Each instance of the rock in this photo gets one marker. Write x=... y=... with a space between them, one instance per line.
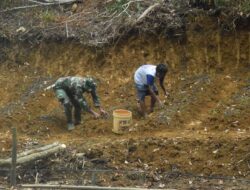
x=99 y=161
x=80 y=155
x=74 y=8
x=21 y=29
x=215 y=151
x=132 y=148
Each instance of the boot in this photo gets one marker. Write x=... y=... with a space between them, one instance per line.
x=77 y=122
x=77 y=114
x=68 y=113
x=70 y=126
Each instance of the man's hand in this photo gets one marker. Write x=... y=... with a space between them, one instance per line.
x=161 y=104
x=166 y=94
x=103 y=112
x=96 y=115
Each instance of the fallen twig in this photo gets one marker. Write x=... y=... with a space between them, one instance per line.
x=126 y=6
x=39 y=4
x=243 y=158
x=148 y=10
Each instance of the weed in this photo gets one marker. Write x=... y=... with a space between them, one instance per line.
x=245 y=6
x=48 y=16
x=219 y=3
x=117 y=6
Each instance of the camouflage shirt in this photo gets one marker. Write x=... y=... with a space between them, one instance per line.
x=76 y=86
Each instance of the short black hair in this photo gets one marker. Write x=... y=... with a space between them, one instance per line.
x=162 y=69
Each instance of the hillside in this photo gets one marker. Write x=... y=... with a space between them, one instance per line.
x=200 y=139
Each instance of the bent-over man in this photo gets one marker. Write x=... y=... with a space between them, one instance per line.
x=144 y=79
x=69 y=91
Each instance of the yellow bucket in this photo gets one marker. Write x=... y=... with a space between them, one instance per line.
x=122 y=119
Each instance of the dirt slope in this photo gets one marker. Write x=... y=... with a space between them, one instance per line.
x=202 y=131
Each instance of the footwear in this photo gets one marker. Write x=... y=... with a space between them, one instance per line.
x=78 y=122
x=70 y=126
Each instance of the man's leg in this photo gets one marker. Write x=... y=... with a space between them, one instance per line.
x=152 y=105
x=142 y=108
x=77 y=112
x=153 y=100
x=64 y=99
x=68 y=113
x=141 y=93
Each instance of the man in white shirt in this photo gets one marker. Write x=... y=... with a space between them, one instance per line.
x=144 y=78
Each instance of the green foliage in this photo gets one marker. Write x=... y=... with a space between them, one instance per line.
x=117 y=6
x=10 y=3
x=4 y=3
x=219 y=3
x=139 y=7
x=125 y=6
x=245 y=6
x=48 y=16
x=241 y=5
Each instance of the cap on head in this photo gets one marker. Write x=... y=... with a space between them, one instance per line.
x=162 y=69
x=90 y=83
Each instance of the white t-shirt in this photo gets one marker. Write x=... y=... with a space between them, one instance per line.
x=141 y=73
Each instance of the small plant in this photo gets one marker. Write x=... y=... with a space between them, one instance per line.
x=48 y=16
x=117 y=6
x=245 y=6
x=219 y=3
x=4 y=4
x=8 y=3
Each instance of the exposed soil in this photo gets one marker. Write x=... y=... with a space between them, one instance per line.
x=200 y=139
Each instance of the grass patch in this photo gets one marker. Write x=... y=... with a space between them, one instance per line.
x=117 y=6
x=48 y=16
x=245 y=6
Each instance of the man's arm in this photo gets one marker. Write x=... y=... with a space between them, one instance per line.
x=83 y=103
x=161 y=81
x=163 y=87
x=95 y=98
x=150 y=83
x=96 y=101
x=152 y=93
x=87 y=108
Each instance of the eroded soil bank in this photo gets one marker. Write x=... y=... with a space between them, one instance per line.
x=202 y=131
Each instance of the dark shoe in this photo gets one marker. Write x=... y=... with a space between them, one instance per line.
x=78 y=122
x=70 y=126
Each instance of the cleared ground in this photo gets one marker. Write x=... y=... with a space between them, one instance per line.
x=200 y=139
x=202 y=131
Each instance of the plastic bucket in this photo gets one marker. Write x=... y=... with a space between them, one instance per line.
x=122 y=119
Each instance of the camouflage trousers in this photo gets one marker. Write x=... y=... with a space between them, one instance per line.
x=68 y=102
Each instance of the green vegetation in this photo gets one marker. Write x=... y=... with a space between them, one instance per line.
x=9 y=3
x=219 y=3
x=48 y=16
x=124 y=6
x=245 y=6
x=117 y=6
x=241 y=5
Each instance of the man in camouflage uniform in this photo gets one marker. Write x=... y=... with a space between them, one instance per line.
x=69 y=91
